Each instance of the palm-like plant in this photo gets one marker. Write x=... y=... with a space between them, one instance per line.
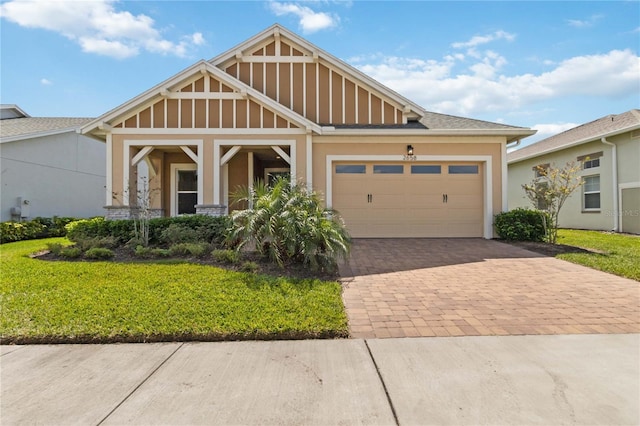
x=288 y=223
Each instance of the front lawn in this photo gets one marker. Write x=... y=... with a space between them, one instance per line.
x=615 y=253
x=58 y=301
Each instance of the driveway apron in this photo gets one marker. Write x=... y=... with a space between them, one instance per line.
x=477 y=287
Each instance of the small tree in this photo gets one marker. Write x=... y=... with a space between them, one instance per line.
x=549 y=191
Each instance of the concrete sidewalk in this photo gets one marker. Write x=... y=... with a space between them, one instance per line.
x=562 y=379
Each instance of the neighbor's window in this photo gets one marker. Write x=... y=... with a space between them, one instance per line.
x=591 y=192
x=540 y=170
x=591 y=163
x=187 y=191
x=541 y=200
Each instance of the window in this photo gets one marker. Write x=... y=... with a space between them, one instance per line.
x=463 y=170
x=590 y=164
x=187 y=191
x=590 y=161
x=591 y=192
x=351 y=168
x=425 y=170
x=541 y=200
x=388 y=169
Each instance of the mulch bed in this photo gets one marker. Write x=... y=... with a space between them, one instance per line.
x=549 y=249
x=125 y=255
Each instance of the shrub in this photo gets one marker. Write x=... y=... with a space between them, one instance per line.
x=102 y=242
x=289 y=223
x=55 y=248
x=98 y=253
x=55 y=226
x=189 y=249
x=251 y=267
x=209 y=229
x=142 y=251
x=158 y=252
x=226 y=256
x=521 y=225
x=177 y=233
x=18 y=231
x=71 y=252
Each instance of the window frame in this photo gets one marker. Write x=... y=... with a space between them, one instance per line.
x=175 y=169
x=585 y=193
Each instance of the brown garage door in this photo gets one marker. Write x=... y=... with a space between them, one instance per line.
x=410 y=199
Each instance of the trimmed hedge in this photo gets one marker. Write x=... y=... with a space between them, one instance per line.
x=210 y=229
x=38 y=227
x=521 y=225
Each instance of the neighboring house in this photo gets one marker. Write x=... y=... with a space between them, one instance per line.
x=276 y=104
x=608 y=150
x=47 y=168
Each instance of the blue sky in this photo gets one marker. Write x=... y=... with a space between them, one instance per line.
x=545 y=65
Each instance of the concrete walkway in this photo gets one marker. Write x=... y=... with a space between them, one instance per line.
x=576 y=379
x=477 y=287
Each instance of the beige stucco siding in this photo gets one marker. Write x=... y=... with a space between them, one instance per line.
x=433 y=147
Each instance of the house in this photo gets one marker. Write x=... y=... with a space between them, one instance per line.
x=48 y=168
x=608 y=150
x=277 y=104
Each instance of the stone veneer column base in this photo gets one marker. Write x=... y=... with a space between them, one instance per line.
x=129 y=212
x=211 y=209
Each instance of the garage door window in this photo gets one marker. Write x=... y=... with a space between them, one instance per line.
x=425 y=170
x=463 y=170
x=351 y=168
x=388 y=169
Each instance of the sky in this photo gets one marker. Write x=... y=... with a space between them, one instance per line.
x=545 y=65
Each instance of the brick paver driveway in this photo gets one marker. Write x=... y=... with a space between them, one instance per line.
x=456 y=287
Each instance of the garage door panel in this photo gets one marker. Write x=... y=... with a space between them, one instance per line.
x=411 y=204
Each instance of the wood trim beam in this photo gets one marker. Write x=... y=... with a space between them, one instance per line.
x=229 y=155
x=281 y=153
x=141 y=155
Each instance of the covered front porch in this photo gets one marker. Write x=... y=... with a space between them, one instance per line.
x=171 y=177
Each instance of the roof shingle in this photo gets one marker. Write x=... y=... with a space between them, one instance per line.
x=594 y=130
x=34 y=126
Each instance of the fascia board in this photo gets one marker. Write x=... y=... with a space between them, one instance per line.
x=576 y=143
x=337 y=63
x=513 y=133
x=39 y=134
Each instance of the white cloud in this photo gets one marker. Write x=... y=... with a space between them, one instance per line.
x=479 y=40
x=483 y=87
x=310 y=21
x=578 y=23
x=546 y=130
x=97 y=27
x=45 y=82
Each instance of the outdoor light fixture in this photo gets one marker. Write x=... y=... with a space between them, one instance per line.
x=410 y=156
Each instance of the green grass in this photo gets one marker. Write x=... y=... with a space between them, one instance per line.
x=43 y=301
x=617 y=253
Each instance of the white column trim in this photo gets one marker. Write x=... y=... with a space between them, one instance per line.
x=505 y=177
x=309 y=161
x=109 y=183
x=485 y=159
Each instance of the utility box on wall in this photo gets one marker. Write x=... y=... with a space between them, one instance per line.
x=22 y=210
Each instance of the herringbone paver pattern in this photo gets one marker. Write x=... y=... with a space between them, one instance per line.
x=472 y=287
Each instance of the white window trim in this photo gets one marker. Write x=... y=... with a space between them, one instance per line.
x=584 y=162
x=175 y=168
x=485 y=160
x=599 y=192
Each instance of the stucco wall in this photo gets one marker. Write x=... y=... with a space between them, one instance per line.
x=60 y=175
x=572 y=214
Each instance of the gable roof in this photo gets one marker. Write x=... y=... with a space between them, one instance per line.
x=201 y=66
x=15 y=129
x=9 y=111
x=606 y=126
x=278 y=30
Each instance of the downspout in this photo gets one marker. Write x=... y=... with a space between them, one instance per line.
x=614 y=161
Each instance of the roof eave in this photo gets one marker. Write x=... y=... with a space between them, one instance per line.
x=38 y=134
x=511 y=134
x=576 y=143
